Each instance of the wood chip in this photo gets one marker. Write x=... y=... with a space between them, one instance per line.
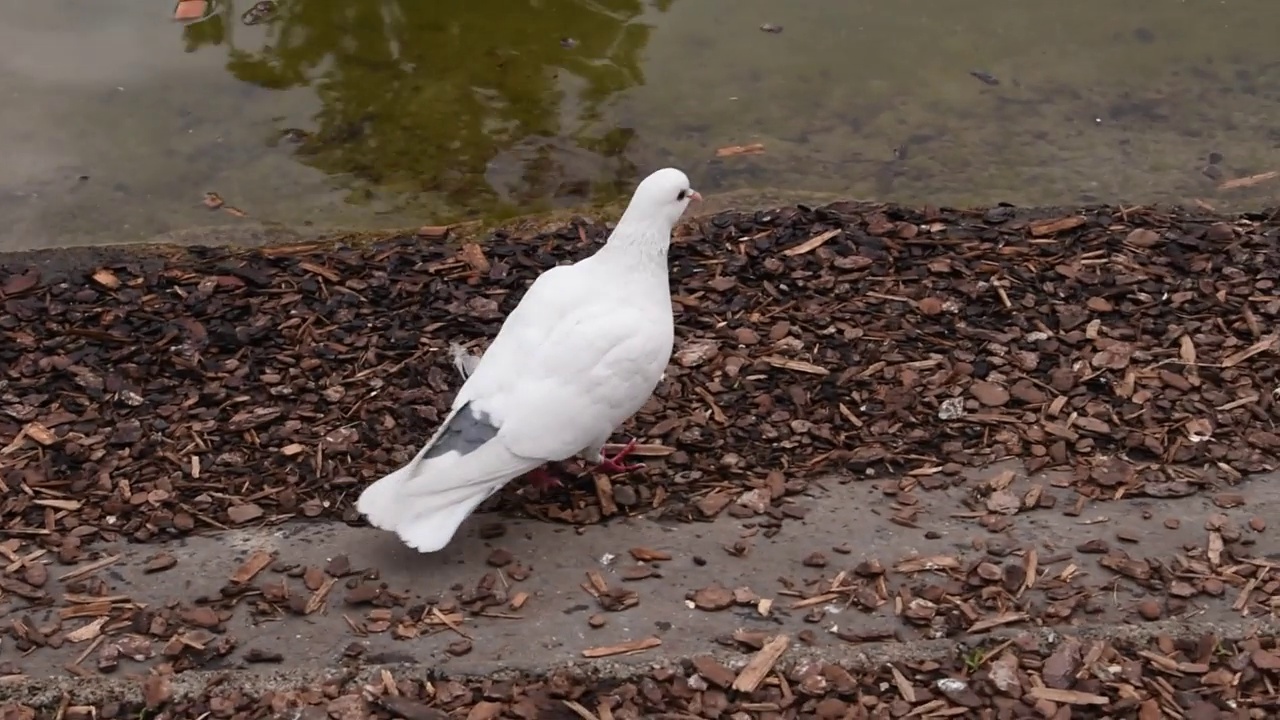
x=92 y=567
x=644 y=554
x=40 y=434
x=435 y=611
x=815 y=600
x=1263 y=345
x=105 y=278
x=604 y=494
x=257 y=562
x=160 y=562
x=317 y=599
x=733 y=150
x=796 y=365
x=761 y=664
x=624 y=648
x=597 y=582
x=905 y=688
x=1249 y=181
x=1045 y=228
x=473 y=255
x=323 y=272
x=87 y=632
x=98 y=608
x=811 y=244
x=1005 y=619
x=579 y=710
x=434 y=232
x=1068 y=697
x=922 y=564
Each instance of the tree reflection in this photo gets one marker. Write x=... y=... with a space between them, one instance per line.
x=452 y=97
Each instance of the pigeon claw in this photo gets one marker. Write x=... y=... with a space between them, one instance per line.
x=615 y=465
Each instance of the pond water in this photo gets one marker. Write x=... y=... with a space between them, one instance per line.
x=117 y=120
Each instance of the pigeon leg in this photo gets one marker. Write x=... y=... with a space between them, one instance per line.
x=614 y=464
x=542 y=480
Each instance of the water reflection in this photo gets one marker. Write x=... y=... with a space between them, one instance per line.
x=491 y=105
x=403 y=113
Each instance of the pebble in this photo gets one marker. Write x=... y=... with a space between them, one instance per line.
x=625 y=495
x=1149 y=610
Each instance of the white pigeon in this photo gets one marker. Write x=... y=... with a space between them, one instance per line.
x=465 y=363
x=580 y=354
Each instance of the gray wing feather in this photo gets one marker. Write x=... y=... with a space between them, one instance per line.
x=468 y=430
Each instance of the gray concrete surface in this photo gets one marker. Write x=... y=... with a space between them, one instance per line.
x=552 y=628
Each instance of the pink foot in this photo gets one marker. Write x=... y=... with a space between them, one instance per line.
x=614 y=464
x=542 y=480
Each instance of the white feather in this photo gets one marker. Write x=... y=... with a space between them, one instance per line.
x=582 y=352
x=426 y=515
x=465 y=362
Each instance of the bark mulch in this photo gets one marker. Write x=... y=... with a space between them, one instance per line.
x=1202 y=678
x=143 y=400
x=146 y=399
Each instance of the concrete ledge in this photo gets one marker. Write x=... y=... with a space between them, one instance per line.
x=49 y=692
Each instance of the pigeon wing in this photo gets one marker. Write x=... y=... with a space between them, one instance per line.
x=594 y=370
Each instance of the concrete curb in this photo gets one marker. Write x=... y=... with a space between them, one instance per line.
x=261 y=235
x=49 y=692
x=246 y=233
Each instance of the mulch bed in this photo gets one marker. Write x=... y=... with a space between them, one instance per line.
x=1202 y=678
x=145 y=400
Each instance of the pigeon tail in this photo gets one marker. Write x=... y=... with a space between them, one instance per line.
x=426 y=501
x=431 y=532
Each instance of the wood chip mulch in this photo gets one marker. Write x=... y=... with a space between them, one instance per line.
x=143 y=400
x=1199 y=678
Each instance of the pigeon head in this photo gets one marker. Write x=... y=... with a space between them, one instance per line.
x=660 y=199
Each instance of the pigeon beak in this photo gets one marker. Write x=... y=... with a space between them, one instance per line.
x=695 y=195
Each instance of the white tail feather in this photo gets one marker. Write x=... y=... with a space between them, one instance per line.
x=429 y=532
x=426 y=501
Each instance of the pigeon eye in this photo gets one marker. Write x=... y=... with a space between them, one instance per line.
x=682 y=194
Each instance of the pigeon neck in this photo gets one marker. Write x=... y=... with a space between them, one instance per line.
x=636 y=242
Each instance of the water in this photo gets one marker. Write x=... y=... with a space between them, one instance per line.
x=377 y=113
